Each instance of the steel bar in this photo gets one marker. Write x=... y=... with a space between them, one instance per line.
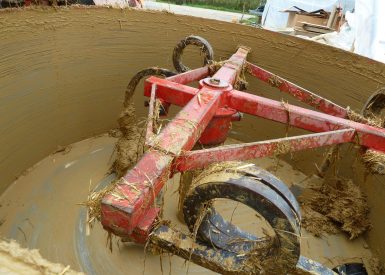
x=170 y=92
x=199 y=159
x=180 y=244
x=190 y=76
x=124 y=207
x=313 y=121
x=298 y=92
x=150 y=120
x=234 y=64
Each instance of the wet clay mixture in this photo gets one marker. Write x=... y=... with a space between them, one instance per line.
x=42 y=210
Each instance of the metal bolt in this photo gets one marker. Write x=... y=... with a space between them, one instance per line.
x=215 y=81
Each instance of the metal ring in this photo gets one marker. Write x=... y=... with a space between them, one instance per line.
x=257 y=189
x=206 y=48
x=375 y=105
x=143 y=73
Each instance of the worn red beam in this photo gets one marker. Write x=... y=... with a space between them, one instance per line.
x=313 y=121
x=145 y=225
x=298 y=92
x=125 y=206
x=190 y=76
x=234 y=64
x=199 y=159
x=170 y=92
x=185 y=129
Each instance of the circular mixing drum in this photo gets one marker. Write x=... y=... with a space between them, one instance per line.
x=68 y=85
x=42 y=209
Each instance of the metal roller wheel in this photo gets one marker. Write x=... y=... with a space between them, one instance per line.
x=205 y=46
x=375 y=106
x=257 y=189
x=374 y=109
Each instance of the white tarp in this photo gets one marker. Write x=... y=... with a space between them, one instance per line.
x=370 y=29
x=364 y=31
x=274 y=18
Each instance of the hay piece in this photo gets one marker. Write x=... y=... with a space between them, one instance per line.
x=240 y=80
x=17 y=260
x=282 y=148
x=214 y=66
x=342 y=203
x=264 y=259
x=316 y=223
x=375 y=161
x=370 y=120
x=376 y=266
x=94 y=202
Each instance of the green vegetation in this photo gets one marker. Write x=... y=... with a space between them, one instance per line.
x=250 y=21
x=225 y=5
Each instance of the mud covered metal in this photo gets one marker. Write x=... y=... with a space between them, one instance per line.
x=132 y=214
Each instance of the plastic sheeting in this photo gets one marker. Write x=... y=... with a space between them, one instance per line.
x=274 y=18
x=369 y=28
x=344 y=39
x=363 y=33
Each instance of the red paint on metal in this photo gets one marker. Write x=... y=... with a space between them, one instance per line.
x=199 y=159
x=145 y=225
x=313 y=121
x=123 y=209
x=190 y=76
x=217 y=130
x=170 y=92
x=231 y=69
x=298 y=92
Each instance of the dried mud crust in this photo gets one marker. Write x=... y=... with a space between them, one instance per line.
x=17 y=260
x=337 y=205
x=375 y=161
x=376 y=266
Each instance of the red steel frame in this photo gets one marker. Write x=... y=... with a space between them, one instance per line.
x=133 y=213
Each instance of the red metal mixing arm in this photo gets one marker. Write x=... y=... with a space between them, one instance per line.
x=129 y=208
x=125 y=207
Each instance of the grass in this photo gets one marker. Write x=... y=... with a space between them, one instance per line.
x=250 y=21
x=204 y=6
x=238 y=6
